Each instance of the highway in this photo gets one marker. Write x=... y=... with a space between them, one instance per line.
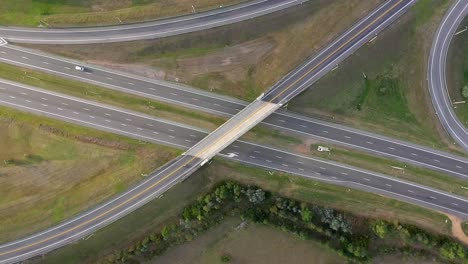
x=281 y=120
x=149 y=30
x=143 y=127
x=100 y=116
x=436 y=74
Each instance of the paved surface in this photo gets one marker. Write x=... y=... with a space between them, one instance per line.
x=141 y=126
x=149 y=30
x=221 y=105
x=436 y=74
x=233 y=129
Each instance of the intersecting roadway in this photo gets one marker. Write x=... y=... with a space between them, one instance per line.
x=144 y=127
x=282 y=120
x=149 y=30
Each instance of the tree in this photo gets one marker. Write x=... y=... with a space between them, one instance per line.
x=451 y=250
x=165 y=232
x=465 y=91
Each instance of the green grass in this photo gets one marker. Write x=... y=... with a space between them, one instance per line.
x=159 y=211
x=49 y=173
x=95 y=12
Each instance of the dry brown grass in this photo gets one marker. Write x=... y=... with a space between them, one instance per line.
x=49 y=175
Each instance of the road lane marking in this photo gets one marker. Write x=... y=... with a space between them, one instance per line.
x=12 y=97
x=76 y=113
x=60 y=109
x=122 y=124
x=304 y=126
x=29 y=101
x=107 y=120
x=128 y=119
x=44 y=105
x=46 y=63
x=390 y=148
x=23 y=57
x=324 y=131
x=269 y=161
x=252 y=157
x=410 y=191
x=370 y=143
x=389 y=185
x=64 y=103
x=92 y=116
x=414 y=154
x=130 y=83
x=301 y=169
x=139 y=128
x=436 y=160
x=348 y=137
x=366 y=179
x=344 y=173
x=67 y=68
x=458 y=167
x=108 y=78
x=285 y=165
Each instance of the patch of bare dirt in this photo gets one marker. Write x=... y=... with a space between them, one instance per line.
x=247 y=53
x=457 y=230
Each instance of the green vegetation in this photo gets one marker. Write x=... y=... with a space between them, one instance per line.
x=95 y=12
x=52 y=170
x=465 y=227
x=352 y=237
x=457 y=74
x=165 y=210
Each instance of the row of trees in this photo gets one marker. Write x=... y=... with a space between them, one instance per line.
x=332 y=228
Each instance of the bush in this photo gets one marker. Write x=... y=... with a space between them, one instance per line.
x=225 y=258
x=465 y=91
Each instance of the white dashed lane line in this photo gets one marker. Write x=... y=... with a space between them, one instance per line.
x=347 y=137
x=459 y=167
x=131 y=83
x=92 y=117
x=303 y=126
x=108 y=78
x=107 y=120
x=269 y=161
x=432 y=197
x=46 y=63
x=64 y=103
x=301 y=169
x=410 y=191
x=324 y=131
x=139 y=128
x=44 y=105
x=29 y=101
x=370 y=143
x=26 y=58
x=344 y=173
x=252 y=157
x=388 y=185
x=436 y=160
x=390 y=148
x=60 y=109
x=128 y=119
x=414 y=154
x=67 y=68
x=156 y=133
x=285 y=165
x=123 y=124
x=76 y=113
x=366 y=179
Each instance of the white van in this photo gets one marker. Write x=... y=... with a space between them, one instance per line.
x=79 y=68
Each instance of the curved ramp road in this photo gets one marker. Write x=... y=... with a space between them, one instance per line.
x=436 y=74
x=149 y=30
x=148 y=128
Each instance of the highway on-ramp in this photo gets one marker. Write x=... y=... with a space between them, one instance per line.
x=436 y=74
x=144 y=127
x=148 y=30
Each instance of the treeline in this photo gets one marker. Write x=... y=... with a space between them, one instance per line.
x=359 y=239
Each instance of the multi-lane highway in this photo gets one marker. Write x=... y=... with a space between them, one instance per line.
x=282 y=120
x=148 y=30
x=157 y=130
x=436 y=74
x=160 y=131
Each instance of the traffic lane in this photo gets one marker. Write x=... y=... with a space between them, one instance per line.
x=90 y=221
x=382 y=146
x=327 y=59
x=336 y=173
x=275 y=159
x=436 y=73
x=175 y=94
x=81 y=111
x=161 y=28
x=280 y=120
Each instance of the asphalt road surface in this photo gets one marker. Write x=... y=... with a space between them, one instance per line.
x=281 y=120
x=436 y=74
x=148 y=30
x=141 y=126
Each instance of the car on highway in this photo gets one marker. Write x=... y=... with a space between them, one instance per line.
x=79 y=68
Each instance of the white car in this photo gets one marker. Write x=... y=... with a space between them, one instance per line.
x=79 y=68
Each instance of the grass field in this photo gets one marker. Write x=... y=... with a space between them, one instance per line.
x=96 y=12
x=255 y=243
x=51 y=170
x=154 y=214
x=457 y=72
